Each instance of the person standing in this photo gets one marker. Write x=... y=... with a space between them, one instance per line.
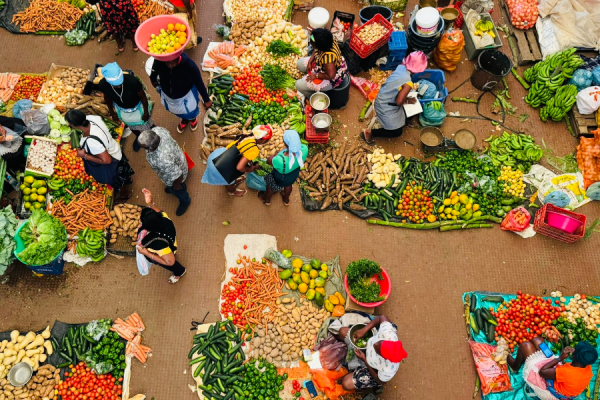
x=121 y=21
x=180 y=86
x=157 y=239
x=168 y=161
x=389 y=106
x=286 y=168
x=102 y=157
x=126 y=100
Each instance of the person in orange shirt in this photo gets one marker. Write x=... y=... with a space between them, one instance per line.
x=549 y=377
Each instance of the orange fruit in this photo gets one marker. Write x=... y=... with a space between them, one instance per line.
x=170 y=27
x=170 y=49
x=182 y=28
x=177 y=46
x=177 y=26
x=182 y=40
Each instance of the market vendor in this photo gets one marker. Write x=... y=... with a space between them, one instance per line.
x=325 y=69
x=121 y=21
x=549 y=377
x=226 y=166
x=102 y=156
x=384 y=353
x=180 y=86
x=389 y=106
x=11 y=143
x=126 y=100
x=286 y=168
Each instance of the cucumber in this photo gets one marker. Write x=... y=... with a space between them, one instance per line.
x=485 y=313
x=493 y=299
x=473 y=301
x=473 y=324
x=490 y=333
x=63 y=365
x=479 y=318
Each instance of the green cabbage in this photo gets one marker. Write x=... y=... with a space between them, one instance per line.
x=53 y=113
x=8 y=227
x=65 y=130
x=44 y=237
x=54 y=133
x=54 y=125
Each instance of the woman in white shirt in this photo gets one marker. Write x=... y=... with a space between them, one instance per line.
x=102 y=156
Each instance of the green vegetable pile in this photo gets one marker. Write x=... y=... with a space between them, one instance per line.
x=573 y=333
x=275 y=77
x=261 y=382
x=74 y=186
x=359 y=274
x=108 y=355
x=279 y=48
x=264 y=168
x=517 y=151
x=44 y=237
x=8 y=227
x=75 y=37
x=264 y=114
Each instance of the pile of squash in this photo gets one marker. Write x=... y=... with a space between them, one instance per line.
x=335 y=304
x=31 y=348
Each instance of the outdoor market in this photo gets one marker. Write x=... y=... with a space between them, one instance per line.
x=476 y=121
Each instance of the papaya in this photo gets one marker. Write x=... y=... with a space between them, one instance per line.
x=310 y=294
x=285 y=274
x=305 y=277
x=313 y=273
x=338 y=311
x=340 y=298
x=292 y=285
x=319 y=299
x=328 y=305
x=297 y=263
x=303 y=288
x=306 y=268
x=296 y=278
x=320 y=282
x=312 y=284
x=323 y=274
x=315 y=263
x=320 y=290
x=334 y=300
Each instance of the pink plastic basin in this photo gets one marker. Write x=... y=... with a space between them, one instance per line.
x=154 y=25
x=386 y=289
x=563 y=222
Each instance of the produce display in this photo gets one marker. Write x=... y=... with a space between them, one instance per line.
x=92 y=243
x=28 y=87
x=512 y=180
x=31 y=348
x=87 y=24
x=129 y=329
x=68 y=166
x=523 y=13
x=44 y=238
x=97 y=386
x=559 y=105
x=107 y=355
x=169 y=39
x=281 y=48
x=76 y=37
x=8 y=228
x=48 y=16
x=40 y=387
x=587 y=158
x=385 y=171
x=89 y=105
x=372 y=32
x=244 y=31
x=34 y=193
x=250 y=83
x=41 y=156
x=276 y=78
x=152 y=8
x=513 y=150
x=87 y=209
x=8 y=82
x=125 y=222
x=362 y=287
x=61 y=90
x=256 y=10
x=59 y=128
x=307 y=279
x=224 y=55
x=484 y=28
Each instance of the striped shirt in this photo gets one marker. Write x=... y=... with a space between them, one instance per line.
x=333 y=56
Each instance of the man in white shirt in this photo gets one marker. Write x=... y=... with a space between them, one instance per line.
x=384 y=353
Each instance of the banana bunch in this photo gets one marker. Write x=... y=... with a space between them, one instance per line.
x=512 y=150
x=55 y=183
x=558 y=106
x=296 y=118
x=482 y=27
x=91 y=242
x=436 y=105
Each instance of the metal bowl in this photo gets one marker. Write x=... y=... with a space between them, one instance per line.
x=465 y=139
x=353 y=330
x=321 y=121
x=20 y=374
x=431 y=136
x=317 y=97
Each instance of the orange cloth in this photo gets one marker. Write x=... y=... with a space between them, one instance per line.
x=326 y=381
x=572 y=381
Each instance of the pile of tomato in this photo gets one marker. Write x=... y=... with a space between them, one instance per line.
x=297 y=389
x=233 y=296
x=68 y=166
x=139 y=5
x=250 y=83
x=524 y=318
x=82 y=383
x=28 y=87
x=415 y=204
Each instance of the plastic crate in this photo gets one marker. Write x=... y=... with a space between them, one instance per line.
x=472 y=52
x=344 y=17
x=438 y=78
x=398 y=5
x=541 y=227
x=397 y=51
x=364 y=50
x=311 y=135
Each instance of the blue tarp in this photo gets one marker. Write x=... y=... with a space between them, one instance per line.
x=516 y=379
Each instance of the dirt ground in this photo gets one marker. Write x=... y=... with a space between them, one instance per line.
x=429 y=270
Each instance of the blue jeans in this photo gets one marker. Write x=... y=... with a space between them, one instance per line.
x=555 y=393
x=182 y=194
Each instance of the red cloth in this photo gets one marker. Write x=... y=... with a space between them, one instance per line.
x=393 y=351
x=179 y=3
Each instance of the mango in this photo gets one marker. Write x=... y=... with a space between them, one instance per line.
x=475 y=207
x=303 y=288
x=42 y=190
x=334 y=299
x=454 y=200
x=320 y=282
x=463 y=198
x=319 y=297
x=320 y=290
x=287 y=253
x=28 y=179
x=441 y=209
x=328 y=305
x=312 y=284
x=296 y=278
x=310 y=294
x=38 y=184
x=457 y=206
x=341 y=298
x=305 y=277
x=285 y=274
x=323 y=274
x=306 y=268
x=291 y=284
x=448 y=210
x=297 y=263
x=477 y=214
x=447 y=202
x=313 y=273
x=296 y=270
x=324 y=267
x=315 y=263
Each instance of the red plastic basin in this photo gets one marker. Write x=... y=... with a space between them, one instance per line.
x=386 y=289
x=154 y=25
x=563 y=222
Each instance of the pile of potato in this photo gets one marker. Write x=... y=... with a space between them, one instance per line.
x=282 y=30
x=61 y=89
x=294 y=329
x=126 y=220
x=256 y=10
x=371 y=33
x=40 y=387
x=244 y=32
x=275 y=145
x=384 y=168
x=28 y=348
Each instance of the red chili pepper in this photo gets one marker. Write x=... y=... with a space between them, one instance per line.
x=245 y=247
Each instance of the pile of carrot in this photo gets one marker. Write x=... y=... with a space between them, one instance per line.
x=85 y=210
x=262 y=293
x=222 y=55
x=137 y=349
x=8 y=81
x=153 y=8
x=47 y=15
x=129 y=329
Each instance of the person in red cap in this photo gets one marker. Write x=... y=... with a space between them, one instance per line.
x=384 y=353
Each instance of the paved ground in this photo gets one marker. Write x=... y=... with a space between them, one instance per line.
x=429 y=270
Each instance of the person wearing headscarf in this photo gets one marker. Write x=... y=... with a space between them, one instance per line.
x=102 y=156
x=126 y=100
x=325 y=69
x=551 y=378
x=180 y=86
x=286 y=168
x=167 y=159
x=241 y=159
x=383 y=355
x=121 y=21
x=157 y=239
x=12 y=143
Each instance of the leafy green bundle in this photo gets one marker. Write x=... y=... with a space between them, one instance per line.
x=8 y=227
x=44 y=237
x=359 y=274
x=279 y=48
x=275 y=77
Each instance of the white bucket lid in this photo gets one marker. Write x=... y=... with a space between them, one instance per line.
x=427 y=17
x=318 y=17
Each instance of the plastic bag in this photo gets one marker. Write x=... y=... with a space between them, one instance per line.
x=588 y=100
x=447 y=52
x=20 y=106
x=493 y=376
x=75 y=37
x=256 y=182
x=364 y=85
x=430 y=89
x=596 y=76
x=332 y=353
x=98 y=367
x=36 y=122
x=143 y=265
x=278 y=258
x=486 y=184
x=415 y=62
x=98 y=328
x=582 y=78
x=433 y=114
x=326 y=382
x=516 y=220
x=523 y=13
x=222 y=30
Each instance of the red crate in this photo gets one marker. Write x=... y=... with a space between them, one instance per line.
x=540 y=225
x=364 y=50
x=311 y=135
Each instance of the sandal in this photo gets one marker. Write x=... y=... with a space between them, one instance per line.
x=194 y=124
x=135 y=48
x=369 y=142
x=121 y=49
x=175 y=279
x=181 y=126
x=261 y=195
x=240 y=180
x=284 y=203
x=237 y=192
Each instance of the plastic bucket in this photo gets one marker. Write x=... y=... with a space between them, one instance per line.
x=318 y=17
x=153 y=26
x=369 y=12
x=417 y=41
x=492 y=66
x=427 y=21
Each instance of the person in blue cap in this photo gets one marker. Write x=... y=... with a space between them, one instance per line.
x=286 y=168
x=126 y=100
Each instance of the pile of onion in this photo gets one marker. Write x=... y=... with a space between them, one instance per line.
x=523 y=13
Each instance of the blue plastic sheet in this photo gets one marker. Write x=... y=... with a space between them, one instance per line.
x=582 y=78
x=516 y=379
